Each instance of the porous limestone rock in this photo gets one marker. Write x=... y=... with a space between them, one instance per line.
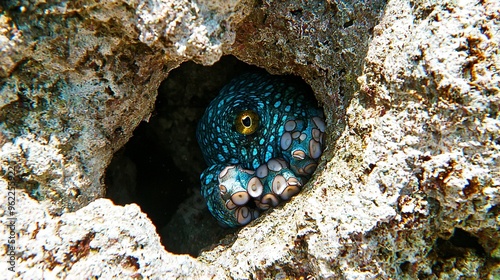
x=98 y=241
x=408 y=185
x=78 y=77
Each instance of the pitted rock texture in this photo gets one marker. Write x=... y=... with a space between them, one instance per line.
x=100 y=240
x=78 y=77
x=324 y=42
x=410 y=90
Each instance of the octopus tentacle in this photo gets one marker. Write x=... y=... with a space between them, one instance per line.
x=228 y=190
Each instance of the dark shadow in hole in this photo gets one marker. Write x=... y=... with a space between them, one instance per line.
x=457 y=246
x=348 y=23
x=159 y=167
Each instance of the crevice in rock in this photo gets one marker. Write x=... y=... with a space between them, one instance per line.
x=458 y=245
x=454 y=252
x=159 y=167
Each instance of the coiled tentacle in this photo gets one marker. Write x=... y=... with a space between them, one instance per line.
x=262 y=139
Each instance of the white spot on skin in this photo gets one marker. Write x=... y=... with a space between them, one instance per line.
x=274 y=165
x=262 y=171
x=303 y=137
x=314 y=149
x=319 y=123
x=279 y=184
x=255 y=187
x=286 y=141
x=290 y=125
x=240 y=198
x=243 y=215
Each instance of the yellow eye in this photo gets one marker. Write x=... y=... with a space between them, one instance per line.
x=246 y=122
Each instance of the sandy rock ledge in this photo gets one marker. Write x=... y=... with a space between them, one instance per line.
x=408 y=187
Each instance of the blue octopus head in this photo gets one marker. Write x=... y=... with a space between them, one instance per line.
x=261 y=131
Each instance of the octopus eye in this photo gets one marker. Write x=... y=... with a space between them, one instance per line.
x=246 y=122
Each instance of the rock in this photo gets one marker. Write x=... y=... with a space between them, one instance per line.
x=408 y=186
x=100 y=240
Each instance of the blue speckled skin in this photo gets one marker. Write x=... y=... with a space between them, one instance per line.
x=248 y=174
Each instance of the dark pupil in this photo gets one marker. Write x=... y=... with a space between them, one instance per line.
x=246 y=121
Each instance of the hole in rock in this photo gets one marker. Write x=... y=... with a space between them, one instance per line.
x=159 y=167
x=461 y=247
x=458 y=245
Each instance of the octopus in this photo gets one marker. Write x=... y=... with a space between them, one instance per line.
x=261 y=138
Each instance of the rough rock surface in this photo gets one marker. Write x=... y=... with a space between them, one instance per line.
x=409 y=184
x=98 y=241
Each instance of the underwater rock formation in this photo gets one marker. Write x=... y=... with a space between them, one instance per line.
x=408 y=185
